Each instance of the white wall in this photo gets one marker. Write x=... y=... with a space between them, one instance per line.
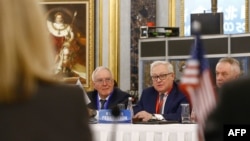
x=162 y=13
x=125 y=18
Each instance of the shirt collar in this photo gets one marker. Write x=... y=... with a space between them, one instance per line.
x=103 y=99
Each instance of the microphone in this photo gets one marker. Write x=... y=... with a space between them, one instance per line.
x=116 y=111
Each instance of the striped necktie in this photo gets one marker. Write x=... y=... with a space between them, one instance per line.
x=102 y=103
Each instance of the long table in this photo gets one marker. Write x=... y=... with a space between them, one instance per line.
x=144 y=132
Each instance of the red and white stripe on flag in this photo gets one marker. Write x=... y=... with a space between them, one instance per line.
x=197 y=84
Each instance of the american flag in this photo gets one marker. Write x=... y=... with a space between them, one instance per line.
x=197 y=84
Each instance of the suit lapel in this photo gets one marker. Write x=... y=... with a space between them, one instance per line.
x=112 y=98
x=154 y=100
x=170 y=100
x=94 y=99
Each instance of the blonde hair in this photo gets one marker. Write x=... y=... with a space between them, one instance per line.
x=26 y=51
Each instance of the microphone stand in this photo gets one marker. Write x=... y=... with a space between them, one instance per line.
x=116 y=114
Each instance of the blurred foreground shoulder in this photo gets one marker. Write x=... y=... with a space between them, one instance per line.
x=55 y=112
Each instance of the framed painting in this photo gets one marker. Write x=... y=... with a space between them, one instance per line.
x=70 y=23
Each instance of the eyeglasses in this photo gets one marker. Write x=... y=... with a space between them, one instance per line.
x=161 y=76
x=106 y=80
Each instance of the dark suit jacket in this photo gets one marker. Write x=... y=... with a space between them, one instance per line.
x=117 y=97
x=172 y=109
x=55 y=113
x=233 y=108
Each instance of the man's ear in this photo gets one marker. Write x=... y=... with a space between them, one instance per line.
x=173 y=74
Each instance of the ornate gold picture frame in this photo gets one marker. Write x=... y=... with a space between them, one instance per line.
x=71 y=25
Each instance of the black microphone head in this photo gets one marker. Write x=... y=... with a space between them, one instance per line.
x=115 y=111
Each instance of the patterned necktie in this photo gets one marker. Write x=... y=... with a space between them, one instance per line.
x=102 y=103
x=160 y=103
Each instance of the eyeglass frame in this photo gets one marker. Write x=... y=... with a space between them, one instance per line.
x=161 y=76
x=106 y=80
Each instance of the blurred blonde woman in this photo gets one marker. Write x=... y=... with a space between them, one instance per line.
x=33 y=106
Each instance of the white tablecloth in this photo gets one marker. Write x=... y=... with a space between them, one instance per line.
x=142 y=132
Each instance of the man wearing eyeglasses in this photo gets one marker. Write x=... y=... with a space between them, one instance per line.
x=161 y=101
x=105 y=95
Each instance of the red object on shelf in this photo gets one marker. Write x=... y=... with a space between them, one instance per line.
x=150 y=24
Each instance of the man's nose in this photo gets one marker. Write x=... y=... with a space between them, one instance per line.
x=219 y=77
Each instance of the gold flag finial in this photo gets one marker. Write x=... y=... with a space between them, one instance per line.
x=214 y=6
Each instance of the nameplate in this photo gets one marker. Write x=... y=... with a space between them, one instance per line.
x=105 y=116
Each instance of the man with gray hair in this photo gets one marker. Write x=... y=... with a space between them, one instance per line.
x=227 y=69
x=105 y=95
x=163 y=100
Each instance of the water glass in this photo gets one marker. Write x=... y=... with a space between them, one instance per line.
x=121 y=106
x=185 y=113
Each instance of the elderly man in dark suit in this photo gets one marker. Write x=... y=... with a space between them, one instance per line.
x=105 y=95
x=162 y=100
